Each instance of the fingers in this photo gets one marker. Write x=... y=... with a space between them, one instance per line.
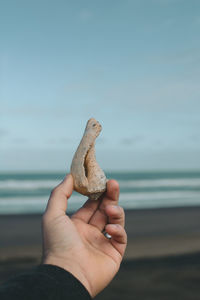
x=86 y=211
x=116 y=218
x=111 y=197
x=115 y=214
x=118 y=237
x=112 y=194
x=57 y=203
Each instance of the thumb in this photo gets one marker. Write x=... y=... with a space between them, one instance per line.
x=57 y=203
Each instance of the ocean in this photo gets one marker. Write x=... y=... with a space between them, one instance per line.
x=23 y=193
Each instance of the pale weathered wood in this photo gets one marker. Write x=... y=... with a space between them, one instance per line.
x=89 y=178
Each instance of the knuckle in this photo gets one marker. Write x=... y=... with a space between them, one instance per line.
x=119 y=228
x=121 y=213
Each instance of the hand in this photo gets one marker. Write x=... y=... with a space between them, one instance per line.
x=77 y=244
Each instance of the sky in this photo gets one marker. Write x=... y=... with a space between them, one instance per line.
x=134 y=65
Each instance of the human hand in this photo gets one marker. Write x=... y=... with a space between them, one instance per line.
x=77 y=244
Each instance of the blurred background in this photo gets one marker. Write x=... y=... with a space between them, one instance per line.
x=135 y=67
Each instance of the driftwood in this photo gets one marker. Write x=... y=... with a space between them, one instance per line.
x=89 y=178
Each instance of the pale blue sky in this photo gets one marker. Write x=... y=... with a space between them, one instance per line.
x=133 y=65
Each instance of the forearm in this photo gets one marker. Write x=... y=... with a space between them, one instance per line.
x=44 y=282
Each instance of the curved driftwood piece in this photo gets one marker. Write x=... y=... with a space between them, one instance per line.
x=89 y=178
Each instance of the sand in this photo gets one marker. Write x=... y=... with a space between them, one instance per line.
x=162 y=260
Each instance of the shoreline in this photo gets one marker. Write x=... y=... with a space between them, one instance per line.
x=151 y=233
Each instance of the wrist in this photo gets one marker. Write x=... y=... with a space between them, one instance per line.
x=73 y=268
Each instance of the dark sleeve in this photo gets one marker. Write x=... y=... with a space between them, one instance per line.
x=44 y=282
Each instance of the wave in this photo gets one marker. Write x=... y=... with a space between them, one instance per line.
x=18 y=205
x=153 y=196
x=28 y=184
x=49 y=184
x=127 y=200
x=186 y=182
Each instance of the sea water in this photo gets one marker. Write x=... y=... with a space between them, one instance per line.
x=29 y=192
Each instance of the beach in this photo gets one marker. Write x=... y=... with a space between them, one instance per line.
x=162 y=259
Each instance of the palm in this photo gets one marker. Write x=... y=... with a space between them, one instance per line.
x=96 y=242
x=78 y=241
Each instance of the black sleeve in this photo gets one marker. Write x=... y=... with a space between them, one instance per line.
x=45 y=282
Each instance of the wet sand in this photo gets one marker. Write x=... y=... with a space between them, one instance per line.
x=162 y=260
